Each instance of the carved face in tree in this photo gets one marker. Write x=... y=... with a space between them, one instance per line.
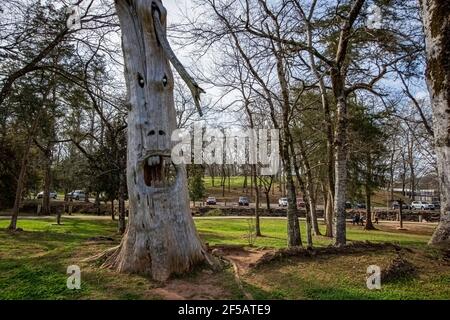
x=150 y=84
x=160 y=238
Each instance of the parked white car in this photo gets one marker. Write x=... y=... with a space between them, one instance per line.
x=77 y=195
x=53 y=195
x=421 y=205
x=283 y=202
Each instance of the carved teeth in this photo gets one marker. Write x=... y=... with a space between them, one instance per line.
x=158 y=171
x=154 y=160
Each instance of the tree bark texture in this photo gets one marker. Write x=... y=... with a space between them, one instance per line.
x=436 y=21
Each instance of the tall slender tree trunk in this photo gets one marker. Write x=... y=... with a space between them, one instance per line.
x=340 y=143
x=211 y=172
x=338 y=80
x=368 y=190
x=329 y=215
x=309 y=188
x=293 y=225
x=122 y=210
x=47 y=181
x=97 y=202
x=391 y=175
x=412 y=174
x=309 y=241
x=161 y=238
x=257 y=193
x=329 y=130
x=436 y=21
x=113 y=213
x=23 y=171
x=20 y=184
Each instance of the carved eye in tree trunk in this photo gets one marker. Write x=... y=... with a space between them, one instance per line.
x=140 y=80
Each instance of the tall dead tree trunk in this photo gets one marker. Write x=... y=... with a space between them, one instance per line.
x=436 y=21
x=161 y=238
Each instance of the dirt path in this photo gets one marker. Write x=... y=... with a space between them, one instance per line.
x=204 y=287
x=207 y=285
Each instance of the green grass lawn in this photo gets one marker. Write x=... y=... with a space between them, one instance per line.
x=33 y=264
x=235 y=231
x=235 y=182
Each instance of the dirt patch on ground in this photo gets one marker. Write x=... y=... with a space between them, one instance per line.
x=244 y=258
x=205 y=286
x=409 y=228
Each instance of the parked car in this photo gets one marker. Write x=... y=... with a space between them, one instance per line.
x=396 y=205
x=300 y=203
x=437 y=204
x=243 y=201
x=421 y=205
x=53 y=195
x=77 y=195
x=211 y=201
x=283 y=202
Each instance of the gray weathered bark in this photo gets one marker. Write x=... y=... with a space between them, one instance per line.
x=436 y=21
x=161 y=238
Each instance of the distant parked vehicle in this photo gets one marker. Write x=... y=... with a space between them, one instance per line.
x=211 y=201
x=243 y=201
x=283 y=202
x=421 y=205
x=77 y=195
x=53 y=195
x=300 y=203
x=348 y=205
x=396 y=205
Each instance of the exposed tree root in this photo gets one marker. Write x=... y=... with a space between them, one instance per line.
x=110 y=259
x=103 y=255
x=237 y=278
x=14 y=230
x=218 y=252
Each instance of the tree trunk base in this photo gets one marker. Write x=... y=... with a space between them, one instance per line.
x=442 y=233
x=369 y=226
x=112 y=258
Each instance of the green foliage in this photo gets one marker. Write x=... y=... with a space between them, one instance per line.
x=367 y=152
x=196 y=184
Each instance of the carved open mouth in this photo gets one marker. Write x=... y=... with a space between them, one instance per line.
x=159 y=171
